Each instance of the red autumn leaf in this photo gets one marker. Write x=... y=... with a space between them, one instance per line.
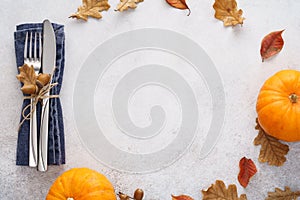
x=180 y=4
x=247 y=170
x=271 y=44
x=182 y=197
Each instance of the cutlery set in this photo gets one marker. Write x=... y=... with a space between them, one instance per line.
x=42 y=62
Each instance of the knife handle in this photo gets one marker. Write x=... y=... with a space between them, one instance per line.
x=43 y=142
x=33 y=137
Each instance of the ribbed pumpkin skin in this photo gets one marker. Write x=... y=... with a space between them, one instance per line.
x=277 y=114
x=81 y=184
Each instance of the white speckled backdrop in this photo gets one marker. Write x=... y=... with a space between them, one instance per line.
x=235 y=53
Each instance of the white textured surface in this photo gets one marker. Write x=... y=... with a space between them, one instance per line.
x=235 y=52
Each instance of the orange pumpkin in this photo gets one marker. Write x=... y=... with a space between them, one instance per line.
x=278 y=106
x=81 y=184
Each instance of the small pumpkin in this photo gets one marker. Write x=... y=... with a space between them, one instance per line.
x=81 y=184
x=278 y=106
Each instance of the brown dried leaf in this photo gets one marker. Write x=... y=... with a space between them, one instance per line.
x=219 y=191
x=125 y=4
x=182 y=197
x=91 y=8
x=180 y=4
x=28 y=78
x=247 y=170
x=271 y=44
x=226 y=10
x=286 y=194
x=272 y=150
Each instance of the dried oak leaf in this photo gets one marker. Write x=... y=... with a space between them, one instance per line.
x=28 y=77
x=219 y=191
x=125 y=4
x=286 y=194
x=271 y=44
x=247 y=170
x=226 y=10
x=272 y=150
x=91 y=8
x=180 y=4
x=182 y=197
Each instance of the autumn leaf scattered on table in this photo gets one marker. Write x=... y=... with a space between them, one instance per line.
x=286 y=194
x=271 y=44
x=180 y=4
x=28 y=77
x=125 y=4
x=219 y=191
x=182 y=197
x=226 y=10
x=272 y=150
x=247 y=170
x=91 y=8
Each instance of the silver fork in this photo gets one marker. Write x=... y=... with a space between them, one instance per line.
x=35 y=61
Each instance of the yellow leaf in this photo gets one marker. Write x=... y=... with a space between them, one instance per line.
x=91 y=8
x=272 y=150
x=226 y=10
x=219 y=191
x=125 y=4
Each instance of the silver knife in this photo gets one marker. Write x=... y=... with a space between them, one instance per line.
x=48 y=63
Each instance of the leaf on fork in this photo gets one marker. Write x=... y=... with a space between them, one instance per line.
x=247 y=170
x=226 y=10
x=286 y=194
x=91 y=8
x=180 y=4
x=219 y=191
x=271 y=44
x=272 y=150
x=28 y=77
x=182 y=197
x=125 y=4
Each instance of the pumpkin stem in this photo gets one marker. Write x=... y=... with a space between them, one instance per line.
x=70 y=198
x=294 y=98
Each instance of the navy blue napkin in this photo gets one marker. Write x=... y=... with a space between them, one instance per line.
x=56 y=142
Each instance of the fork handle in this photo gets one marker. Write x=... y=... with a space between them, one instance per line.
x=33 y=137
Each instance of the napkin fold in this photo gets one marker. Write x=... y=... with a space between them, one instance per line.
x=56 y=141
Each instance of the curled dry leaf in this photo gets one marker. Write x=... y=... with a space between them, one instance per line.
x=219 y=191
x=286 y=194
x=272 y=150
x=247 y=170
x=28 y=78
x=226 y=10
x=180 y=4
x=125 y=4
x=91 y=8
x=271 y=44
x=182 y=197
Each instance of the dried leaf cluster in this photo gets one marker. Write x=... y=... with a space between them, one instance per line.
x=272 y=150
x=32 y=83
x=93 y=8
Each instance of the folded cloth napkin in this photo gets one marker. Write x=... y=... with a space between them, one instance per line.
x=56 y=142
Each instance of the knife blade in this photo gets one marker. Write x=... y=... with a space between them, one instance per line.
x=48 y=63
